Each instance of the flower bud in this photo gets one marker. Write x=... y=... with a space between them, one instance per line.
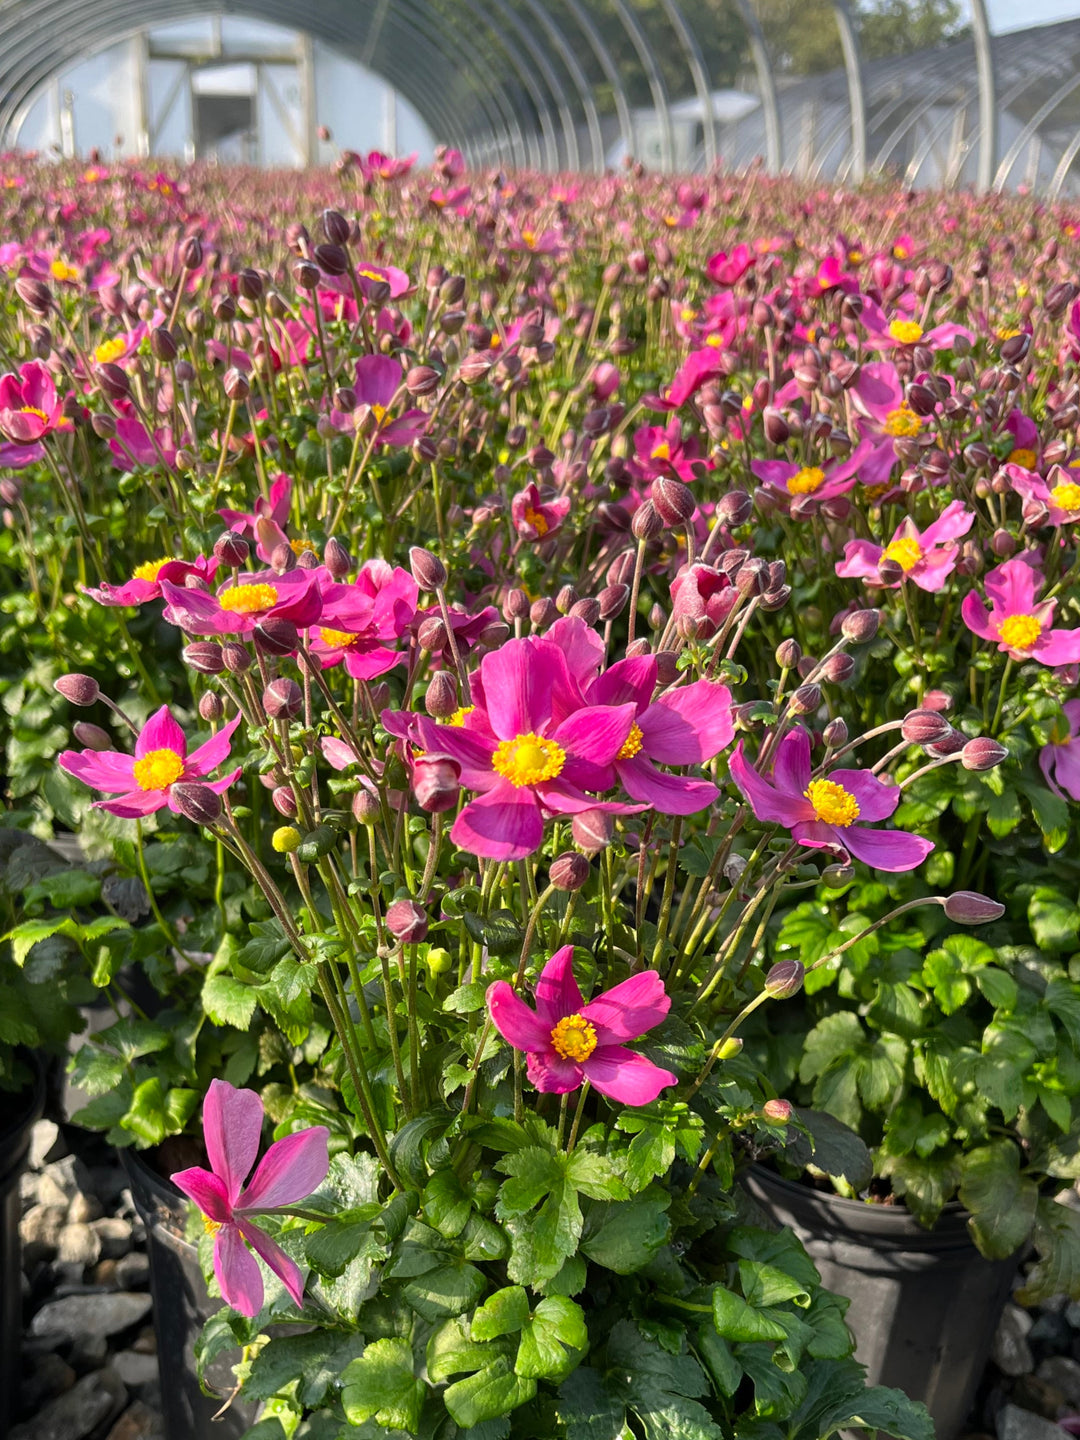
x=612 y=601
x=210 y=707
x=197 y=803
x=436 y=784
x=543 y=613
x=34 y=294
x=860 y=626
x=835 y=733
x=283 y=557
x=331 y=259
x=286 y=839
x=113 y=380
x=673 y=500
x=232 y=549
x=407 y=921
x=441 y=697
x=77 y=689
x=592 y=830
x=428 y=570
x=806 y=699
x=284 y=801
x=236 y=385
x=730 y=1048
x=734 y=508
x=788 y=654
x=337 y=559
x=569 y=871
x=92 y=736
x=837 y=876
x=924 y=727
x=967 y=907
x=276 y=636
x=646 y=524
x=777 y=1112
x=983 y=753
x=235 y=657
x=515 y=604
x=191 y=253
x=283 y=699
x=335 y=227
x=838 y=668
x=785 y=979
x=950 y=744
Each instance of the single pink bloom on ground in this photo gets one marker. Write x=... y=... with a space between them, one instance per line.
x=1019 y=624
x=1060 y=760
x=29 y=405
x=145 y=582
x=822 y=813
x=143 y=782
x=568 y=1042
x=536 y=519
x=927 y=557
x=236 y=609
x=289 y=1171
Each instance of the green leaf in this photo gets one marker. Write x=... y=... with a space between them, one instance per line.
x=769 y=1285
x=268 y=945
x=831 y=1146
x=229 y=1002
x=155 y=1113
x=316 y=1360
x=736 y=1320
x=588 y=1408
x=999 y=988
x=1057 y=1240
x=491 y=1392
x=1051 y=814
x=831 y=1039
x=659 y=1130
x=381 y=1384
x=551 y=1339
x=445 y=1203
x=449 y=1289
x=503 y=1313
x=1062 y=998
x=1003 y=814
x=1054 y=919
x=925 y=1184
x=624 y=1235
x=451 y=1351
x=25 y=936
x=715 y=1354
x=333 y=1247
x=533 y=1171
x=1001 y=1200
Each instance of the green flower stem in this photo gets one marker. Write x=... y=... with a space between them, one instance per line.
x=669 y=892
x=579 y=1111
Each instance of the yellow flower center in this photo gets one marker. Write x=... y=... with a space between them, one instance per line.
x=1026 y=459
x=339 y=639
x=528 y=760
x=211 y=1226
x=908 y=332
x=714 y=341
x=1020 y=632
x=806 y=481
x=61 y=270
x=496 y=341
x=686 y=314
x=1066 y=497
x=1007 y=334
x=33 y=410
x=303 y=547
x=158 y=769
x=247 y=599
x=855 y=257
x=110 y=350
x=632 y=744
x=832 y=803
x=529 y=237
x=574 y=1038
x=661 y=451
x=902 y=422
x=150 y=569
x=460 y=715
x=379 y=411
x=536 y=520
x=906 y=552
x=373 y=275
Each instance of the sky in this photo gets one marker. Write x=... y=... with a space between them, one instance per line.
x=1019 y=14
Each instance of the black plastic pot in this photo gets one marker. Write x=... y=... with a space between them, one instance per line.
x=181 y=1307
x=20 y=1113
x=924 y=1303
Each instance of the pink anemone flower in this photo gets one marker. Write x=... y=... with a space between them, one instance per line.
x=885 y=418
x=927 y=557
x=1020 y=625
x=1060 y=760
x=791 y=481
x=699 y=367
x=29 y=405
x=536 y=519
x=143 y=782
x=661 y=450
x=361 y=623
x=902 y=331
x=821 y=813
x=567 y=1041
x=236 y=609
x=289 y=1171
x=276 y=508
x=531 y=746
x=1059 y=493
x=146 y=580
x=378 y=383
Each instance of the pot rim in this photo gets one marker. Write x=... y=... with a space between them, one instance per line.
x=896 y=1212
x=33 y=1096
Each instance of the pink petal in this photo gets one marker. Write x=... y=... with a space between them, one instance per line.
x=975 y=617
x=953 y=522
x=628 y=1009
x=504 y=824
x=551 y=1074
x=670 y=794
x=688 y=726
x=627 y=680
x=791 y=771
x=161 y=732
x=766 y=801
x=237 y=1272
x=207 y=1190
x=465 y=747
x=518 y=681
x=625 y=1076
x=1011 y=587
x=280 y=499
x=198 y=613
x=596 y=734
x=213 y=753
x=364 y=664
x=518 y=1025
x=290 y=1170
x=134 y=805
x=892 y=850
x=860 y=561
x=1058 y=647
x=557 y=993
x=108 y=770
x=232 y=1127
x=286 y=1269
x=876 y=799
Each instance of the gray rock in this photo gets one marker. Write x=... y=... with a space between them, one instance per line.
x=50 y=1376
x=1064 y=1374
x=114 y=1235
x=1052 y=1331
x=1011 y=1352
x=70 y=1176
x=77 y=1315
x=78 y=1246
x=45 y=1144
x=91 y=1402
x=138 y=1422
x=84 y=1208
x=39 y=1231
x=133 y=1271
x=1016 y=1424
x=89 y=1352
x=48 y=1192
x=136 y=1370
x=1072 y=1314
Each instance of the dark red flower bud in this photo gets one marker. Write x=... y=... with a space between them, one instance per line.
x=232 y=549
x=34 y=294
x=283 y=699
x=983 y=753
x=860 y=626
x=235 y=657
x=422 y=380
x=197 y=803
x=441 y=696
x=835 y=733
x=924 y=727
x=191 y=253
x=569 y=871
x=113 y=381
x=673 y=500
x=838 y=668
x=515 y=604
x=276 y=636
x=284 y=801
x=613 y=600
x=785 y=979
x=543 y=613
x=331 y=259
x=436 y=785
x=236 y=385
x=777 y=1112
x=335 y=227
x=806 y=699
x=77 y=689
x=592 y=830
x=163 y=345
x=428 y=570
x=587 y=609
x=283 y=557
x=92 y=736
x=734 y=508
x=337 y=559
x=968 y=907
x=566 y=599
x=211 y=707
x=646 y=524
x=788 y=654
x=407 y=921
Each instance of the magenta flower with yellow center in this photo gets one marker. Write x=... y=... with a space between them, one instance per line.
x=926 y=557
x=1020 y=624
x=142 y=783
x=146 y=580
x=1059 y=493
x=567 y=1041
x=239 y=606
x=792 y=482
x=828 y=813
x=29 y=405
x=289 y=1171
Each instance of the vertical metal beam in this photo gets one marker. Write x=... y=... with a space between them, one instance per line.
x=849 y=44
x=759 y=50
x=140 y=56
x=308 y=103
x=988 y=110
x=699 y=75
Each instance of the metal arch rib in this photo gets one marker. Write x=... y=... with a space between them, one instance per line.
x=1064 y=165
x=988 y=109
x=577 y=75
x=759 y=51
x=1046 y=109
x=543 y=111
x=611 y=71
x=698 y=74
x=657 y=88
x=849 y=44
